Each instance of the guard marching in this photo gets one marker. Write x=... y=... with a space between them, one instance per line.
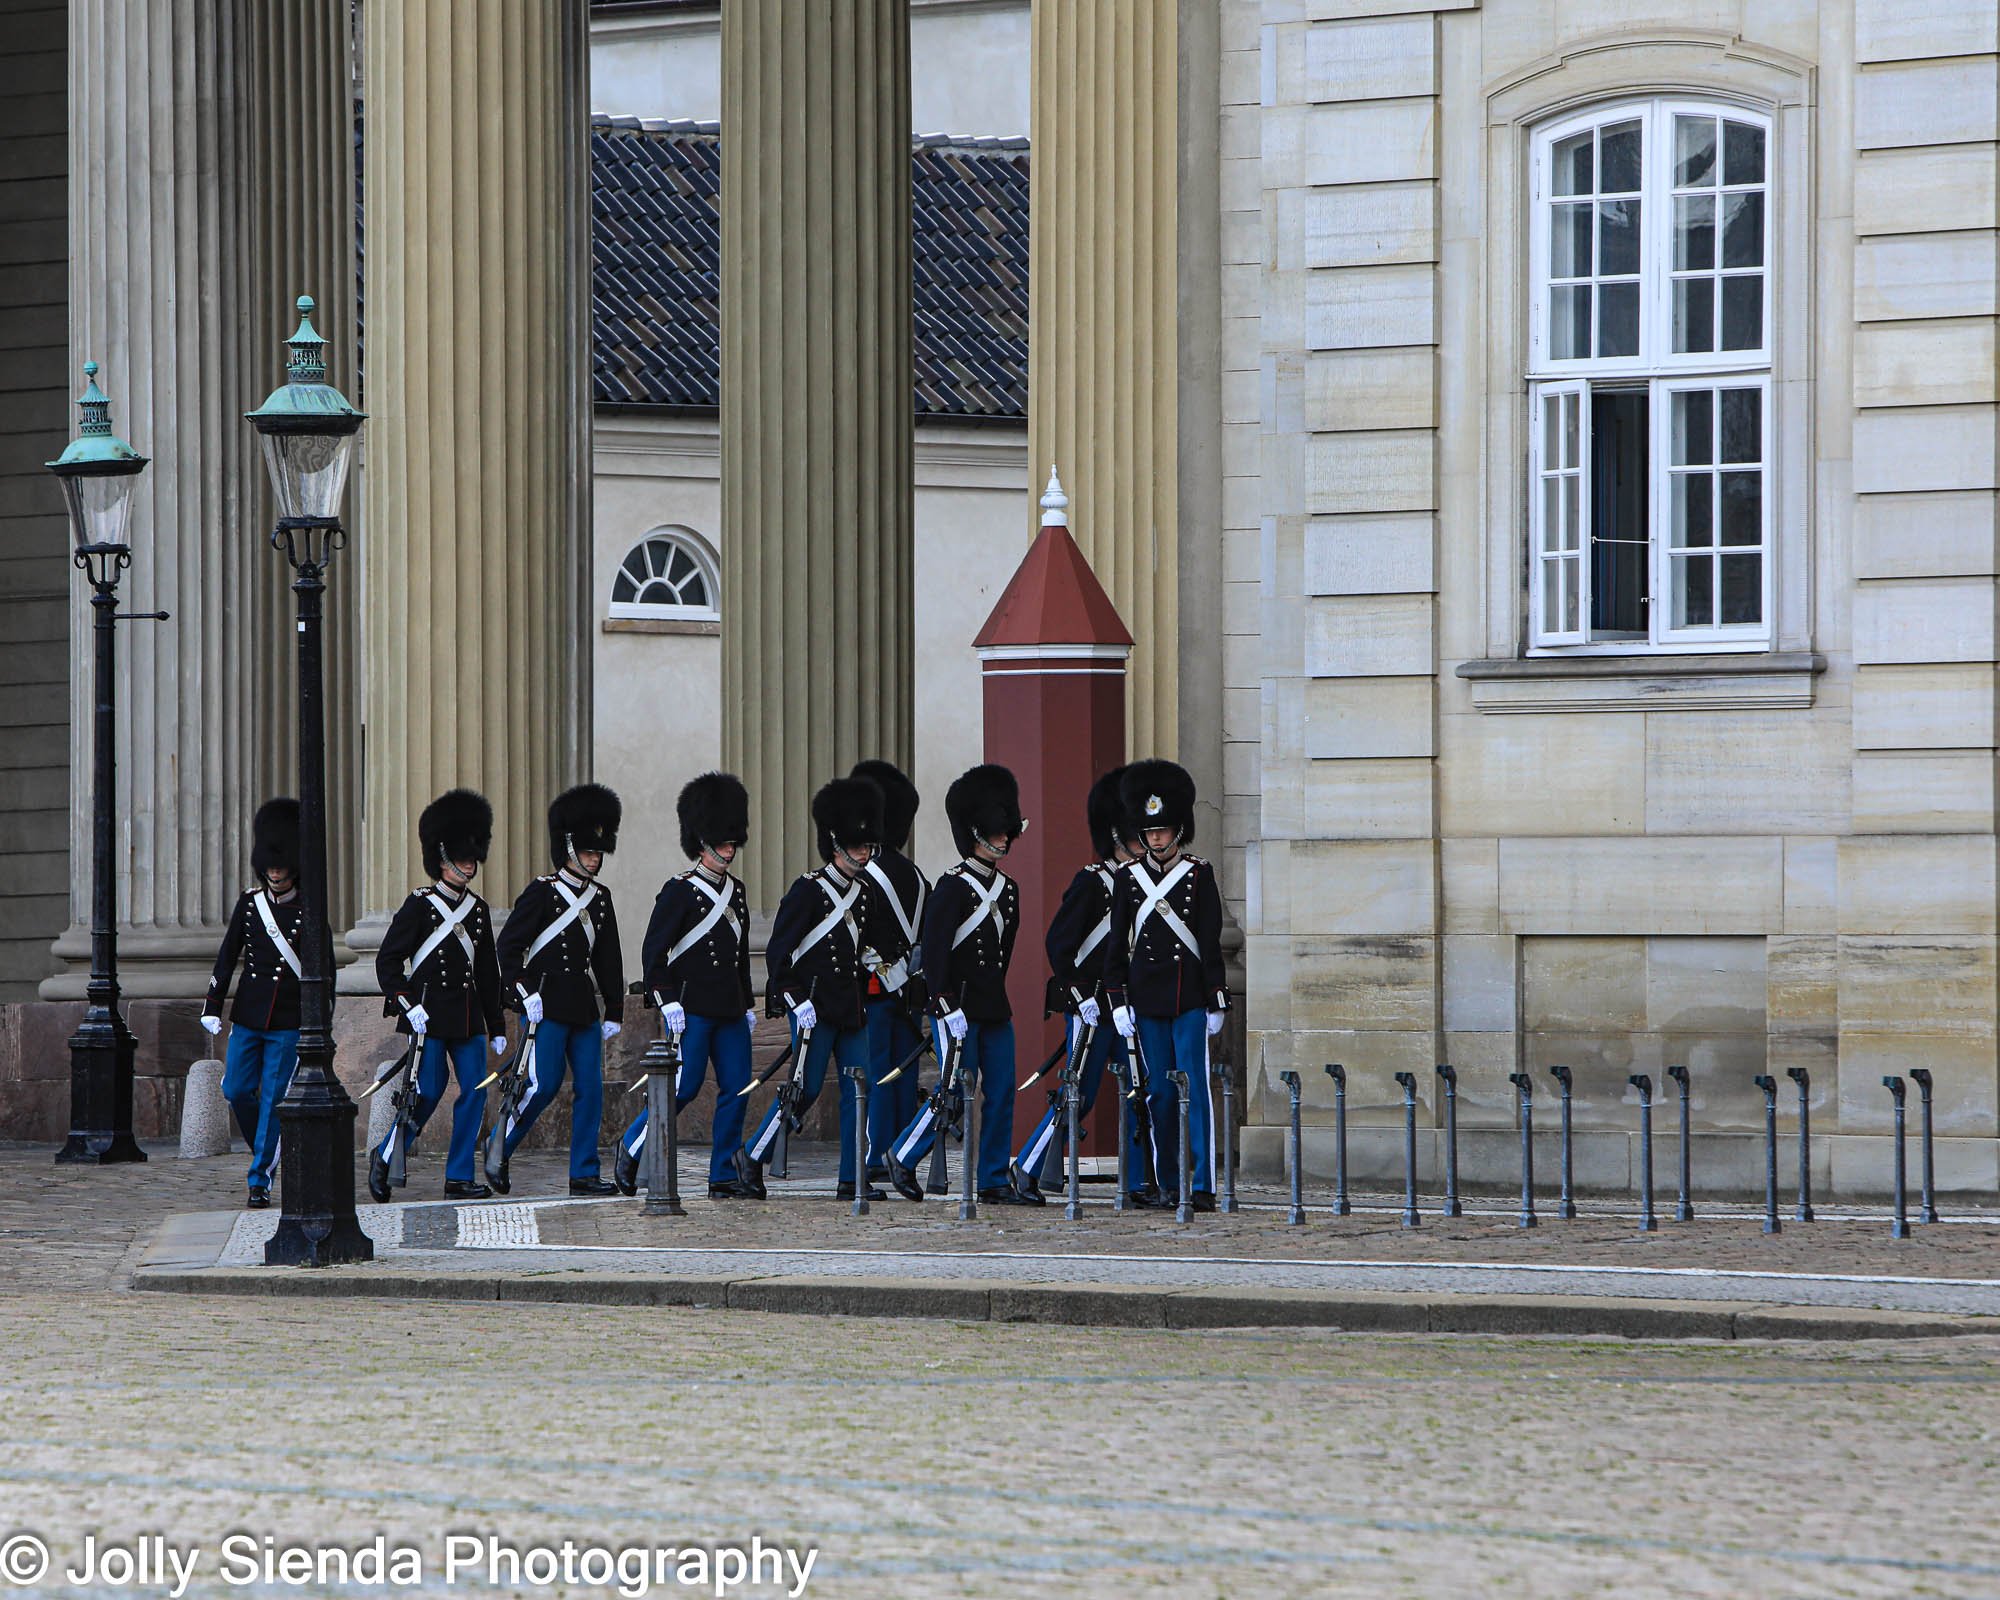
x=813 y=971
x=265 y=932
x=441 y=981
x=967 y=940
x=893 y=912
x=559 y=963
x=1164 y=974
x=697 y=963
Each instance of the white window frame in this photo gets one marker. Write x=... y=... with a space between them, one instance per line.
x=697 y=550
x=1655 y=365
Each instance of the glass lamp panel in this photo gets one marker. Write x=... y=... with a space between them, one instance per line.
x=100 y=506
x=308 y=471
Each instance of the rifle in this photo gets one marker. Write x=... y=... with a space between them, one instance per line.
x=513 y=1086
x=404 y=1098
x=1142 y=1117
x=1072 y=1093
x=947 y=1112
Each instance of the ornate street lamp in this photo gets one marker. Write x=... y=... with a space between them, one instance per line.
x=98 y=472
x=307 y=430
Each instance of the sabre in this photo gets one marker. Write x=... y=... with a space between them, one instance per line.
x=1054 y=1055
x=394 y=1070
x=768 y=1073
x=516 y=1074
x=895 y=1073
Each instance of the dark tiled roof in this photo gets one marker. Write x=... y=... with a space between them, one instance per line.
x=655 y=239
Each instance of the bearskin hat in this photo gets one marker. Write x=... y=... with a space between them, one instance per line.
x=714 y=809
x=274 y=837
x=583 y=818
x=848 y=810
x=984 y=802
x=456 y=826
x=1106 y=812
x=1158 y=794
x=899 y=800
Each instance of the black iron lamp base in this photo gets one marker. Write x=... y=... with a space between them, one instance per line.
x=100 y=1095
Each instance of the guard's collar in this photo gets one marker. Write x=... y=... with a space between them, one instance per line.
x=284 y=899
x=573 y=878
x=451 y=894
x=708 y=876
x=985 y=869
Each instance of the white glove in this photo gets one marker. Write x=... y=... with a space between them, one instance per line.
x=750 y=1019
x=805 y=1016
x=896 y=974
x=1123 y=1020
x=1215 y=1022
x=418 y=1017
x=212 y=1024
x=531 y=1008
x=499 y=1044
x=954 y=1024
x=613 y=1029
x=675 y=1016
x=1088 y=1013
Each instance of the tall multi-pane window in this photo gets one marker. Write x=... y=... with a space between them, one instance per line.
x=1650 y=379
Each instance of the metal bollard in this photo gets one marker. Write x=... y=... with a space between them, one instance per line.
x=1184 y=1210
x=1929 y=1213
x=1226 y=1202
x=1566 y=1206
x=859 y=1074
x=663 y=1195
x=1122 y=1201
x=1769 y=1085
x=968 y=1087
x=1409 y=1082
x=1338 y=1073
x=1803 y=1079
x=1297 y=1152
x=1648 y=1223
x=1450 y=1076
x=1072 y=1119
x=1684 y=1206
x=1526 y=1087
x=1900 y=1228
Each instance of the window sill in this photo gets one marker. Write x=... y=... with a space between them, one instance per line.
x=681 y=625
x=1775 y=679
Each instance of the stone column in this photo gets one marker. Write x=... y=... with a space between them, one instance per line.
x=474 y=535
x=816 y=407
x=157 y=273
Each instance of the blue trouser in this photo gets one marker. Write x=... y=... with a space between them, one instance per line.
x=848 y=1047
x=726 y=1041
x=581 y=1045
x=890 y=1105
x=1167 y=1043
x=256 y=1068
x=986 y=1057
x=468 y=1111
x=1040 y=1156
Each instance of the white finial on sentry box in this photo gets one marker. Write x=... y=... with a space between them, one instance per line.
x=1055 y=504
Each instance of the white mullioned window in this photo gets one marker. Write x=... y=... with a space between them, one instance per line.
x=669 y=574
x=1650 y=380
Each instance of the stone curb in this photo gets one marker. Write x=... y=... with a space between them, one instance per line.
x=1102 y=1305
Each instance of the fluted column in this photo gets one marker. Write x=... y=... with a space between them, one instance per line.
x=473 y=547
x=157 y=272
x=816 y=407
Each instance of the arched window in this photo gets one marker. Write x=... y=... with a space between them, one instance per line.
x=669 y=573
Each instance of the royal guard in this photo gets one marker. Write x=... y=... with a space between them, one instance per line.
x=697 y=962
x=813 y=972
x=967 y=939
x=559 y=964
x=1164 y=975
x=1079 y=944
x=265 y=932
x=893 y=912
x=441 y=982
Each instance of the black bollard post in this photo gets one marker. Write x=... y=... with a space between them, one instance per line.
x=1684 y=1205
x=1526 y=1087
x=1226 y=1202
x=1803 y=1079
x=1900 y=1228
x=1769 y=1085
x=1409 y=1082
x=1929 y=1213
x=1072 y=1092
x=1566 y=1206
x=1450 y=1076
x=1296 y=1154
x=858 y=1075
x=1184 y=1211
x=1338 y=1073
x=968 y=1188
x=1648 y=1223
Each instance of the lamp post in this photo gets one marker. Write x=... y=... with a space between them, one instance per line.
x=307 y=431
x=98 y=472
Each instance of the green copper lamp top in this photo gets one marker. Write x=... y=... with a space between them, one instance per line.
x=306 y=402
x=96 y=449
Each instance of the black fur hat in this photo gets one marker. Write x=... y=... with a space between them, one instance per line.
x=456 y=826
x=1158 y=794
x=899 y=800
x=583 y=818
x=1106 y=812
x=714 y=809
x=984 y=802
x=848 y=810
x=274 y=837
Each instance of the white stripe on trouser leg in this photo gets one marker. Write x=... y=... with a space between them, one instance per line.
x=914 y=1137
x=1153 y=1118
x=271 y=1166
x=389 y=1144
x=1208 y=1094
x=637 y=1144
x=768 y=1134
x=1038 y=1147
